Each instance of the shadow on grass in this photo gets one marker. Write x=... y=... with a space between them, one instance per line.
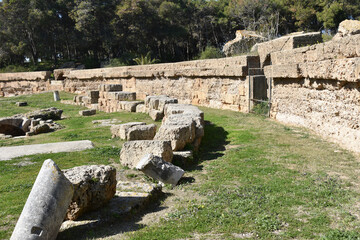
x=105 y=223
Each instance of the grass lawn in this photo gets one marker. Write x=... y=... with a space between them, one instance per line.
x=257 y=179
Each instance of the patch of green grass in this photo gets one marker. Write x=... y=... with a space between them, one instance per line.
x=276 y=185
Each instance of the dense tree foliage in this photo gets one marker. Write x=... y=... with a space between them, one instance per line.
x=168 y=30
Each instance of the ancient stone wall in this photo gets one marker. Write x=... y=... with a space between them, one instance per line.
x=12 y=84
x=318 y=87
x=217 y=83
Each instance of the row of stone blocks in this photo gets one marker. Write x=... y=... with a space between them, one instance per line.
x=153 y=153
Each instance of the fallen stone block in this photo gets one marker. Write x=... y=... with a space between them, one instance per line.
x=45 y=114
x=158 y=102
x=141 y=132
x=156 y=115
x=45 y=208
x=130 y=106
x=87 y=112
x=21 y=104
x=182 y=109
x=94 y=186
x=110 y=87
x=41 y=128
x=121 y=130
x=157 y=168
x=132 y=152
x=140 y=108
x=179 y=135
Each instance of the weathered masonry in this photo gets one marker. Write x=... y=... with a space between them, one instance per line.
x=311 y=84
x=318 y=87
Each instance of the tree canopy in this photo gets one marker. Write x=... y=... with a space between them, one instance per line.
x=167 y=30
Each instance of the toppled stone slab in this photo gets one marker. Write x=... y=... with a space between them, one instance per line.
x=121 y=130
x=21 y=104
x=141 y=132
x=7 y=153
x=157 y=168
x=46 y=205
x=89 y=112
x=110 y=88
x=94 y=186
x=132 y=152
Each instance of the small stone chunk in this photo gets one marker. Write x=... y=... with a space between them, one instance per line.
x=132 y=152
x=141 y=132
x=94 y=186
x=89 y=112
x=21 y=104
x=157 y=168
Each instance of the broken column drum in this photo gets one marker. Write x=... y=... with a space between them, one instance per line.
x=56 y=96
x=46 y=206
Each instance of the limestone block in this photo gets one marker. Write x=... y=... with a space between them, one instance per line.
x=141 y=132
x=132 y=152
x=347 y=28
x=156 y=115
x=158 y=102
x=110 y=87
x=94 y=96
x=140 y=108
x=122 y=130
x=126 y=96
x=94 y=186
x=41 y=128
x=157 y=168
x=182 y=108
x=130 y=106
x=45 y=208
x=89 y=112
x=179 y=135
